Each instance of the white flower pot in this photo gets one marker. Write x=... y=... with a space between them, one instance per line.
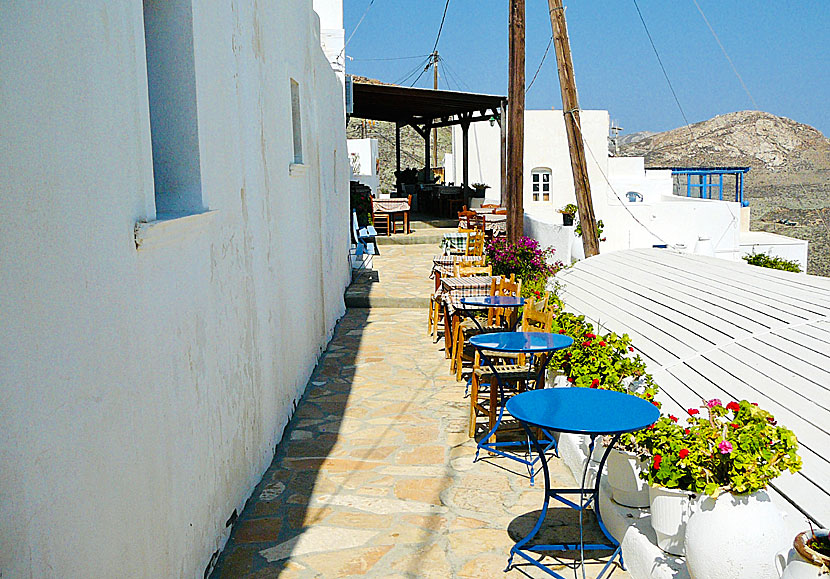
x=741 y=533
x=627 y=488
x=801 y=562
x=669 y=513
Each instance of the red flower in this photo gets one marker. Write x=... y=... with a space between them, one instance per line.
x=657 y=404
x=733 y=406
x=735 y=426
x=754 y=403
x=561 y=331
x=590 y=335
x=586 y=344
x=693 y=411
x=657 y=459
x=687 y=431
x=631 y=348
x=594 y=383
x=650 y=427
x=601 y=342
x=684 y=452
x=570 y=379
x=672 y=417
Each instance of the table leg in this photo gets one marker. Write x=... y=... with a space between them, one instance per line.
x=448 y=325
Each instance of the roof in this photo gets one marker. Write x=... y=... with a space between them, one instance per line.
x=405 y=104
x=712 y=328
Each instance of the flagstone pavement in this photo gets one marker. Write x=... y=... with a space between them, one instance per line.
x=375 y=476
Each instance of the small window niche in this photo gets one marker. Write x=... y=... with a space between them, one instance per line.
x=541 y=183
x=296 y=122
x=171 y=88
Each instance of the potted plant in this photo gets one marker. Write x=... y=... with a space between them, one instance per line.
x=600 y=227
x=568 y=212
x=808 y=559
x=738 y=449
x=670 y=476
x=481 y=189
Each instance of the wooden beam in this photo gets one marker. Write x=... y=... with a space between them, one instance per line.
x=465 y=161
x=570 y=108
x=515 y=122
x=503 y=153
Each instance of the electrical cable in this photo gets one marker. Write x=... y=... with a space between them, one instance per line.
x=435 y=46
x=663 y=68
x=359 y=22
x=544 y=56
x=385 y=59
x=412 y=72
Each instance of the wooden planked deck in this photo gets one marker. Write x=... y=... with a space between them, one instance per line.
x=710 y=328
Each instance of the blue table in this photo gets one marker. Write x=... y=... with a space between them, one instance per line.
x=580 y=411
x=537 y=345
x=480 y=302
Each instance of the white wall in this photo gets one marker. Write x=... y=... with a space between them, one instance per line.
x=142 y=391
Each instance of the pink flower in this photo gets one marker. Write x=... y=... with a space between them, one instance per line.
x=725 y=447
x=713 y=402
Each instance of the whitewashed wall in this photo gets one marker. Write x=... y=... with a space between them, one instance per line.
x=142 y=392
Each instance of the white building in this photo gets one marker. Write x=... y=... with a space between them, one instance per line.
x=651 y=215
x=173 y=255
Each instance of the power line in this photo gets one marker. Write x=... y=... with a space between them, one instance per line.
x=394 y=58
x=544 y=56
x=435 y=46
x=431 y=62
x=412 y=72
x=359 y=22
x=663 y=68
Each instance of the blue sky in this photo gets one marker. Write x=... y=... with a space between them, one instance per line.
x=780 y=49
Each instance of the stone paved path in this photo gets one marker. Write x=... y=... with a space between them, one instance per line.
x=375 y=474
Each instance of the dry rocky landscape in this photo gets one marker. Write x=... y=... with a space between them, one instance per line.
x=790 y=176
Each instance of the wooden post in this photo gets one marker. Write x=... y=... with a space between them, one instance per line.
x=435 y=87
x=515 y=122
x=503 y=152
x=398 y=146
x=570 y=108
x=427 y=166
x=465 y=147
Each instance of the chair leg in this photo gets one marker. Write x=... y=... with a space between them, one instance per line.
x=473 y=404
x=459 y=361
x=430 y=318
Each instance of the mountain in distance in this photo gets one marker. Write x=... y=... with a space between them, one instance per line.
x=789 y=179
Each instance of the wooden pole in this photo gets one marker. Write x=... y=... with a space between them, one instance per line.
x=570 y=108
x=503 y=152
x=435 y=87
x=465 y=161
x=515 y=122
x=398 y=146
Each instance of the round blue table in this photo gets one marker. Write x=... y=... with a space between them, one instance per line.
x=479 y=302
x=580 y=411
x=539 y=346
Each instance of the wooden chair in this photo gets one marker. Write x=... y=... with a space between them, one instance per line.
x=490 y=206
x=455 y=251
x=381 y=221
x=460 y=268
x=485 y=400
x=475 y=243
x=498 y=320
x=466 y=219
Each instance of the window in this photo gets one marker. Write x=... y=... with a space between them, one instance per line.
x=540 y=179
x=296 y=122
x=171 y=91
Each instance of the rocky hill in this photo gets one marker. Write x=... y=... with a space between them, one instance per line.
x=790 y=176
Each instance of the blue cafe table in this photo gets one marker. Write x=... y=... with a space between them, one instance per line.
x=580 y=411
x=538 y=346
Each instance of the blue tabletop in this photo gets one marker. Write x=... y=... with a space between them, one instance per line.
x=525 y=342
x=494 y=301
x=583 y=410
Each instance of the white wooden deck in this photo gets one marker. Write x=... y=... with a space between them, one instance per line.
x=710 y=328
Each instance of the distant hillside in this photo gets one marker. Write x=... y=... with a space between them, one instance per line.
x=789 y=179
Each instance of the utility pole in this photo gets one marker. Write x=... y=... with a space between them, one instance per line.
x=570 y=109
x=516 y=123
x=435 y=87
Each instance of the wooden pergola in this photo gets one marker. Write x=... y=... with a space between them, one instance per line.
x=427 y=109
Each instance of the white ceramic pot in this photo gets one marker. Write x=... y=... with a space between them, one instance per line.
x=734 y=536
x=627 y=488
x=669 y=513
x=790 y=564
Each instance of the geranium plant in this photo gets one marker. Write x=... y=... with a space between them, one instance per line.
x=737 y=448
x=569 y=209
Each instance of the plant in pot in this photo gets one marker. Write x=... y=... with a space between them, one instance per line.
x=739 y=449
x=672 y=453
x=568 y=212
x=481 y=189
x=808 y=559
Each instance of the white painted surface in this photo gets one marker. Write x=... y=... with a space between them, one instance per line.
x=773 y=244
x=142 y=392
x=709 y=328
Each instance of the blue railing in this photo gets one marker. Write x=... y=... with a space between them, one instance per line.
x=708 y=183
